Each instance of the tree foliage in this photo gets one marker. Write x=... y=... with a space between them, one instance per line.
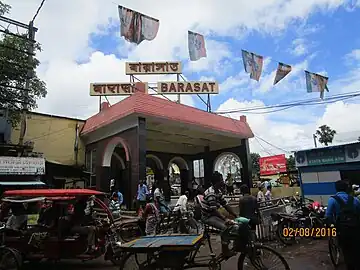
x=325 y=135
x=15 y=69
x=290 y=163
x=255 y=163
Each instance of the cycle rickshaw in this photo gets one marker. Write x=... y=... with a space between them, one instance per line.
x=182 y=251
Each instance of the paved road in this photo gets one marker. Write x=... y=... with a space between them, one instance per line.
x=305 y=256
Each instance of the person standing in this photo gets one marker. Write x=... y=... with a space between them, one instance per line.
x=343 y=210
x=268 y=194
x=151 y=216
x=142 y=194
x=229 y=184
x=260 y=195
x=248 y=206
x=160 y=199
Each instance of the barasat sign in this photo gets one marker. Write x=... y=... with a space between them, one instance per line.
x=152 y=68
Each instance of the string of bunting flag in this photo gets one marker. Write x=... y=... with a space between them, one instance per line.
x=136 y=27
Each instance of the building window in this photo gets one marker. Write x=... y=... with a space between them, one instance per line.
x=198 y=166
x=90 y=163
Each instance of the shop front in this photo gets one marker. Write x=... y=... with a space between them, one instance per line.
x=320 y=168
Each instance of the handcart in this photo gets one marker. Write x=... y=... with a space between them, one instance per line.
x=182 y=252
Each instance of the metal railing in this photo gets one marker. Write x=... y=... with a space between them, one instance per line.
x=265 y=231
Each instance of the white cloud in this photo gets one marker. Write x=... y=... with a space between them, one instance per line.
x=299 y=47
x=288 y=135
x=353 y=57
x=65 y=26
x=64 y=32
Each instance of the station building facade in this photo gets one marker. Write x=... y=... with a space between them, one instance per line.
x=142 y=131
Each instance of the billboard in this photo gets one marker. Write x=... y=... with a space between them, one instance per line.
x=143 y=68
x=187 y=88
x=113 y=89
x=22 y=166
x=272 y=165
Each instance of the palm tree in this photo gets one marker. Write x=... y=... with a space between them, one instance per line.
x=325 y=134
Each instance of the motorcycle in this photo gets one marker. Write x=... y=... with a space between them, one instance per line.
x=300 y=222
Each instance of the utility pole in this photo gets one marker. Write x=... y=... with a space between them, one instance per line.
x=31 y=36
x=314 y=136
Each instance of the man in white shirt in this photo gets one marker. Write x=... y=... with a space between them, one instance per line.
x=179 y=209
x=181 y=204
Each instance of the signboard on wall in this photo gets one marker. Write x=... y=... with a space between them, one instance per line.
x=328 y=156
x=114 y=89
x=22 y=166
x=187 y=88
x=143 y=68
x=272 y=165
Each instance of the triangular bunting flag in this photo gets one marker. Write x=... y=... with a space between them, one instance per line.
x=253 y=64
x=281 y=72
x=136 y=27
x=316 y=83
x=196 y=44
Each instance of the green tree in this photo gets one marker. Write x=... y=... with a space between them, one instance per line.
x=255 y=163
x=290 y=163
x=15 y=70
x=325 y=134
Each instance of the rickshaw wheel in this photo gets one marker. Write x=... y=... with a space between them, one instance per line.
x=10 y=259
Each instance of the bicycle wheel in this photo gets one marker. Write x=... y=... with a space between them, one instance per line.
x=256 y=257
x=334 y=251
x=139 y=261
x=285 y=224
x=129 y=231
x=191 y=226
x=132 y=261
x=10 y=259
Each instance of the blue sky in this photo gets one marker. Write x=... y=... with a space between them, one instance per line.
x=317 y=35
x=327 y=36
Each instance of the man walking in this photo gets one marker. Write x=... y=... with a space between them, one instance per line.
x=344 y=211
x=142 y=194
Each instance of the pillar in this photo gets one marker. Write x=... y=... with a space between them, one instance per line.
x=208 y=167
x=245 y=158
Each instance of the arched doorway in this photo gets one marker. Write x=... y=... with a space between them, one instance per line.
x=115 y=165
x=229 y=164
x=154 y=170
x=118 y=171
x=179 y=175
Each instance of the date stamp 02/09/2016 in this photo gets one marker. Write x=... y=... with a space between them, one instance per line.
x=309 y=232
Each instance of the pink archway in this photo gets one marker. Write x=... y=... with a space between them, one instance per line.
x=109 y=150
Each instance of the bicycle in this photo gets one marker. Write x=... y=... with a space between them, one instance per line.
x=181 y=251
x=334 y=251
x=174 y=223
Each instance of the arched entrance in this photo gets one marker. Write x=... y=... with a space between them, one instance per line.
x=179 y=175
x=118 y=170
x=154 y=170
x=115 y=163
x=229 y=163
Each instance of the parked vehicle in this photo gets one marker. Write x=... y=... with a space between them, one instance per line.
x=35 y=241
x=300 y=223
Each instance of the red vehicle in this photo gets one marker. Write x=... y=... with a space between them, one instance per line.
x=34 y=241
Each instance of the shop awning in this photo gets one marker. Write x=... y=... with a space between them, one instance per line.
x=22 y=183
